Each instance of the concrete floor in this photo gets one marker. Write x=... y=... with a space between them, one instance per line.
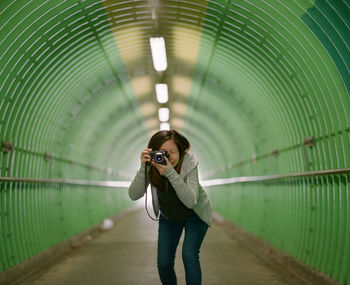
x=126 y=254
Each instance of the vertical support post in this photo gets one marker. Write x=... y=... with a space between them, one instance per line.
x=308 y=142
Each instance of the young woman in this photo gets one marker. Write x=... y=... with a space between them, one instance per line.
x=183 y=204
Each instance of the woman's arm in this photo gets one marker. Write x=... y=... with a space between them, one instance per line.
x=186 y=191
x=138 y=188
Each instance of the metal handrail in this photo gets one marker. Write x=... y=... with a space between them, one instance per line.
x=8 y=147
x=207 y=183
x=244 y=179
x=114 y=184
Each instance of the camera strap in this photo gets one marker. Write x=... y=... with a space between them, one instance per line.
x=146 y=184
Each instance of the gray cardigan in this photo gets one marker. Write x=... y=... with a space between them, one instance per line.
x=186 y=186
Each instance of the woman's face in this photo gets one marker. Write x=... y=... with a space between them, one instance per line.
x=173 y=151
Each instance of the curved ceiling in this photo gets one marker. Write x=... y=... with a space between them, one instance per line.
x=245 y=78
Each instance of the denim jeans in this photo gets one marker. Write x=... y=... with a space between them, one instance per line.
x=169 y=234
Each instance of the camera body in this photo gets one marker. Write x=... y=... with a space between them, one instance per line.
x=159 y=156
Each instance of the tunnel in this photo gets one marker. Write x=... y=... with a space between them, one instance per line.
x=260 y=88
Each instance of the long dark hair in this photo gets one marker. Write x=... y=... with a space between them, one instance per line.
x=156 y=142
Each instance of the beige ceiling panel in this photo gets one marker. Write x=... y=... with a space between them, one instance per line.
x=142 y=86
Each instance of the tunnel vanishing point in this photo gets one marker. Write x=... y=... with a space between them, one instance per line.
x=261 y=89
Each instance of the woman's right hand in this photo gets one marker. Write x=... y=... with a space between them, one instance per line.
x=145 y=156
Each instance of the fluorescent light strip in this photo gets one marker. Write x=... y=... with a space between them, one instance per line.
x=163 y=114
x=164 y=126
x=158 y=53
x=162 y=93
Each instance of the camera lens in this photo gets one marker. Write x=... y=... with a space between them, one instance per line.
x=159 y=158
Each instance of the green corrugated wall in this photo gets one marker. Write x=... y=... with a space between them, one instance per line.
x=55 y=70
x=256 y=79
x=297 y=69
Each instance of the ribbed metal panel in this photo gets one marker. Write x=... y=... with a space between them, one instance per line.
x=54 y=56
x=285 y=86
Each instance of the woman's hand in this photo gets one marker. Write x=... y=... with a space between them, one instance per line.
x=145 y=156
x=161 y=167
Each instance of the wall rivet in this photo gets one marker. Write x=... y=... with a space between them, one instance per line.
x=309 y=141
x=6 y=146
x=47 y=156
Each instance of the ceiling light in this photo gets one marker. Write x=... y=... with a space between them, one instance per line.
x=158 y=53
x=163 y=114
x=162 y=93
x=164 y=126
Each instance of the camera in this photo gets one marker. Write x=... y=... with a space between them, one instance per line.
x=159 y=156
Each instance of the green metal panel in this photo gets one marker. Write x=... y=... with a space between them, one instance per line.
x=330 y=22
x=58 y=66
x=292 y=82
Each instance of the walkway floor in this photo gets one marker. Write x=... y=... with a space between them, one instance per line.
x=126 y=254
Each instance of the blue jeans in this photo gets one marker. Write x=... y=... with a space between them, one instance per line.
x=168 y=239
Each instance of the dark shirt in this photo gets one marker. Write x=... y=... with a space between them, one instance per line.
x=171 y=206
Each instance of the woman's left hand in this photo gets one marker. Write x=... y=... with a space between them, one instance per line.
x=161 y=167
